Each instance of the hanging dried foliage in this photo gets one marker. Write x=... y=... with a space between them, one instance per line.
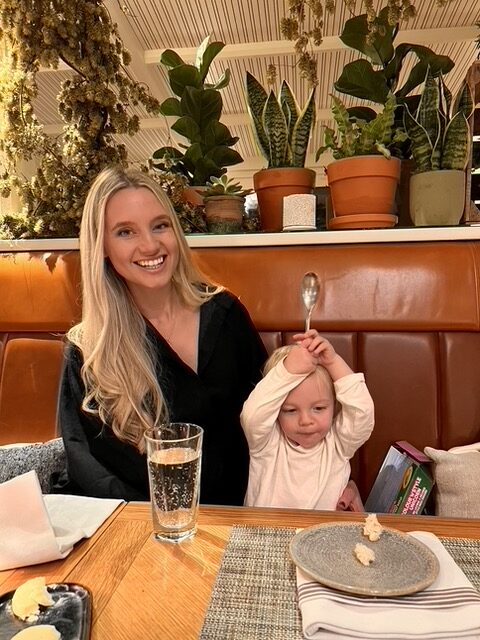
x=93 y=103
x=305 y=21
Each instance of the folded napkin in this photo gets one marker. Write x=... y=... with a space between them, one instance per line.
x=36 y=528
x=448 y=609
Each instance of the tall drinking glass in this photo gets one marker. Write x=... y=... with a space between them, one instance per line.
x=174 y=454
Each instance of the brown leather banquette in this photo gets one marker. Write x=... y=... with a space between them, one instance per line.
x=406 y=314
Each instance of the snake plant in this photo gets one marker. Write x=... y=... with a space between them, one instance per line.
x=281 y=128
x=357 y=137
x=438 y=130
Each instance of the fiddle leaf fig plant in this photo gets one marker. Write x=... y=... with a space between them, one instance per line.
x=357 y=137
x=438 y=129
x=380 y=72
x=281 y=128
x=197 y=105
x=378 y=75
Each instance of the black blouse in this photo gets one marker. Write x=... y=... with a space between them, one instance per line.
x=230 y=357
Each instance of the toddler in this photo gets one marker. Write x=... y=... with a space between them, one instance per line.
x=303 y=422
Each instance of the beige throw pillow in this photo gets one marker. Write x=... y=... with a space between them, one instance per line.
x=457 y=476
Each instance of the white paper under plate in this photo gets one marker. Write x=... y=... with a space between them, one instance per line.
x=402 y=564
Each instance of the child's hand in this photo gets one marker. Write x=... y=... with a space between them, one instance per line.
x=300 y=360
x=318 y=346
x=323 y=353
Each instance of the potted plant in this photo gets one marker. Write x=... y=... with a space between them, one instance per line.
x=224 y=204
x=197 y=105
x=381 y=72
x=364 y=175
x=282 y=131
x=440 y=142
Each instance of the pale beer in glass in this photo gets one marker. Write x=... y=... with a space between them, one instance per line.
x=174 y=454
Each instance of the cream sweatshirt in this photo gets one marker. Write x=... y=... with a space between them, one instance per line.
x=283 y=474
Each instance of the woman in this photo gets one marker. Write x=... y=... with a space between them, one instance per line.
x=157 y=341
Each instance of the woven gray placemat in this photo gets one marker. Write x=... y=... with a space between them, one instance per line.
x=254 y=596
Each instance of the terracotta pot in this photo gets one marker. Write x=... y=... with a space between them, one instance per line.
x=363 y=184
x=192 y=195
x=224 y=214
x=272 y=185
x=437 y=198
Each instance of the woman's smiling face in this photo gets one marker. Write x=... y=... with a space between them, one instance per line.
x=139 y=239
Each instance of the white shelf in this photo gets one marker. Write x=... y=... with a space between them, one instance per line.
x=295 y=238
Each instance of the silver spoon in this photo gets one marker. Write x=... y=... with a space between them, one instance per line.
x=310 y=289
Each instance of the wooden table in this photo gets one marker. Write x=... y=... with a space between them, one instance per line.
x=144 y=589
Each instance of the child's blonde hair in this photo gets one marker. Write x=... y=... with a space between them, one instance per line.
x=282 y=352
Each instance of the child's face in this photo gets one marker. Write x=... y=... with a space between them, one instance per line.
x=307 y=413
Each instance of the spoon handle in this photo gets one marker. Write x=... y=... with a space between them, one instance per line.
x=307 y=321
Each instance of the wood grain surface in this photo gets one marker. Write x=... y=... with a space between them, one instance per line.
x=144 y=589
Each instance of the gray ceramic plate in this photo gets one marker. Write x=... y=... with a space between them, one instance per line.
x=70 y=613
x=402 y=564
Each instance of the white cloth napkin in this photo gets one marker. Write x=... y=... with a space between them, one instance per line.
x=448 y=609
x=36 y=528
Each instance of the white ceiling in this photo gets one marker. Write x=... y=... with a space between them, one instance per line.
x=251 y=30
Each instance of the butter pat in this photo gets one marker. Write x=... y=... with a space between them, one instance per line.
x=38 y=632
x=364 y=554
x=28 y=597
x=372 y=528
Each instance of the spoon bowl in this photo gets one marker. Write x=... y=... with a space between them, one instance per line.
x=309 y=289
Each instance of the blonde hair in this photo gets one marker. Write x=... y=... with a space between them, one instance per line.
x=119 y=370
x=282 y=352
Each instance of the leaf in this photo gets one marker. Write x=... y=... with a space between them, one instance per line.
x=275 y=124
x=290 y=108
x=456 y=143
x=167 y=152
x=171 y=107
x=216 y=133
x=205 y=55
x=256 y=99
x=356 y=34
x=170 y=59
x=427 y=114
x=182 y=77
x=188 y=128
x=361 y=113
x=204 y=169
x=224 y=156
x=421 y=145
x=359 y=79
x=194 y=153
x=223 y=81
x=376 y=135
x=427 y=59
x=302 y=132
x=203 y=106
x=464 y=101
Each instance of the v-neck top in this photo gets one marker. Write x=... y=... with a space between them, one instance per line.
x=229 y=361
